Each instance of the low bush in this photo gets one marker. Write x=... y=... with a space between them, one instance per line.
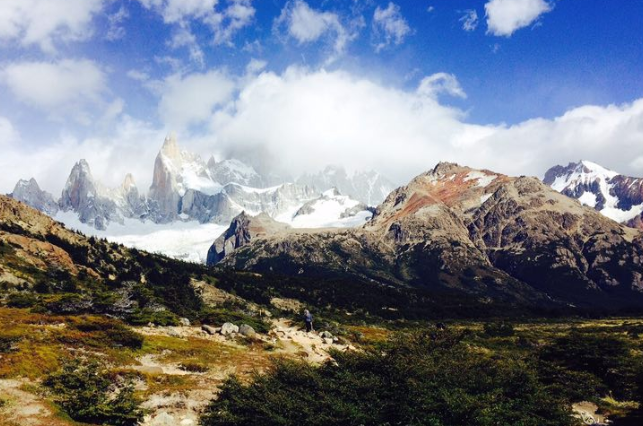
x=105 y=331
x=156 y=317
x=21 y=300
x=86 y=393
x=193 y=367
x=500 y=329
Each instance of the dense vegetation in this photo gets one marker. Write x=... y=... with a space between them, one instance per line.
x=416 y=379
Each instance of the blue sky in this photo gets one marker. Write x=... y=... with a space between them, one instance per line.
x=511 y=85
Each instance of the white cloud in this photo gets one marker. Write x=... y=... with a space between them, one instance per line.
x=224 y=22
x=55 y=86
x=441 y=82
x=237 y=15
x=189 y=100
x=183 y=37
x=307 y=25
x=469 y=20
x=255 y=66
x=504 y=17
x=130 y=147
x=116 y=30
x=304 y=119
x=389 y=26
x=176 y=11
x=45 y=22
x=8 y=134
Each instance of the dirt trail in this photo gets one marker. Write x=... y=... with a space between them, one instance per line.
x=183 y=408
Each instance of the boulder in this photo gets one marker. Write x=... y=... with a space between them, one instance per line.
x=326 y=335
x=229 y=328
x=209 y=329
x=184 y=322
x=247 y=331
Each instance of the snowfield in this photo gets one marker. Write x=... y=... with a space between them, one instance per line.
x=188 y=241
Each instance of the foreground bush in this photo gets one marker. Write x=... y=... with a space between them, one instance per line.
x=418 y=379
x=87 y=394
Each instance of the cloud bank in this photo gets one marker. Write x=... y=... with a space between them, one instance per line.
x=302 y=119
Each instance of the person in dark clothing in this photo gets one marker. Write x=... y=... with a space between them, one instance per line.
x=308 y=319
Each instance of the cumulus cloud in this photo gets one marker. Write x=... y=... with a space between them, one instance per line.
x=45 y=22
x=306 y=119
x=389 y=26
x=504 y=17
x=307 y=25
x=441 y=82
x=191 y=99
x=56 y=87
x=469 y=20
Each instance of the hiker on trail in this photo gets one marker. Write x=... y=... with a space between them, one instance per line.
x=308 y=319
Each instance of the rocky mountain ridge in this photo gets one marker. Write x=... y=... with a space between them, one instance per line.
x=184 y=187
x=473 y=231
x=617 y=196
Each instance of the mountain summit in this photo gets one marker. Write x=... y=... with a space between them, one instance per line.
x=616 y=196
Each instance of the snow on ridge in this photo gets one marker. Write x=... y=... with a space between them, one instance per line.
x=483 y=179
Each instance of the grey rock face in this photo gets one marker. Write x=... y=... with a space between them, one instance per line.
x=82 y=195
x=30 y=193
x=370 y=187
x=234 y=171
x=242 y=230
x=98 y=206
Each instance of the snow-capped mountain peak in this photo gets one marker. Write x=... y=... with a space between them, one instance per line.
x=617 y=196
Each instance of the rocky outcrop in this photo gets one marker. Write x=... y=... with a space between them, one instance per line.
x=242 y=230
x=475 y=231
x=30 y=193
x=616 y=196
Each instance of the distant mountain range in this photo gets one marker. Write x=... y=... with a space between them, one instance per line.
x=456 y=229
x=184 y=187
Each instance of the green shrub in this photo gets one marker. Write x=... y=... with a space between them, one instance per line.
x=21 y=300
x=6 y=343
x=146 y=316
x=500 y=329
x=85 y=392
x=105 y=331
x=417 y=379
x=602 y=362
x=193 y=367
